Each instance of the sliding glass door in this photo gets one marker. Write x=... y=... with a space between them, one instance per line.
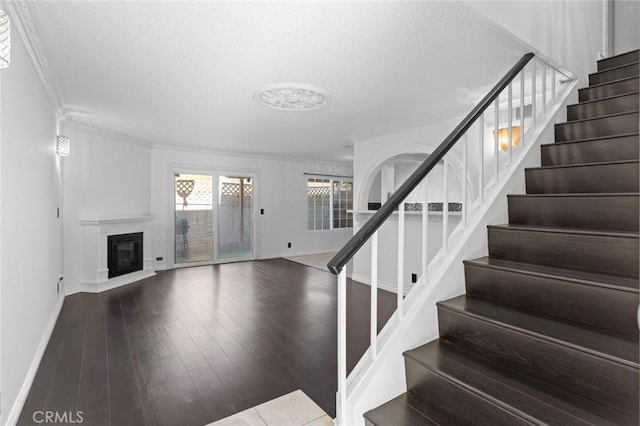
x=235 y=218
x=193 y=209
x=213 y=218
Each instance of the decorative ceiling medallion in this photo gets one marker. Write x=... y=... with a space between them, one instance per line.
x=292 y=97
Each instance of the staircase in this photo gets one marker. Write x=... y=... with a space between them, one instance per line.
x=547 y=332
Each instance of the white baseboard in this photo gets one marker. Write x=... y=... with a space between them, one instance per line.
x=115 y=282
x=18 y=404
x=381 y=284
x=72 y=290
x=16 y=409
x=112 y=283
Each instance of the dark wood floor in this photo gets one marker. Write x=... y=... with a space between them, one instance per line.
x=191 y=346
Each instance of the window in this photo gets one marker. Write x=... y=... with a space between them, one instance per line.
x=329 y=201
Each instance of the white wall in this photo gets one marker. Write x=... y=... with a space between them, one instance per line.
x=626 y=26
x=280 y=187
x=369 y=155
x=569 y=32
x=105 y=177
x=31 y=233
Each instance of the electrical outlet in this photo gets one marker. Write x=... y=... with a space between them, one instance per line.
x=289 y=245
x=159 y=258
x=261 y=211
x=414 y=278
x=58 y=213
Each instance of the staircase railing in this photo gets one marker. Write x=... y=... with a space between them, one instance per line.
x=506 y=117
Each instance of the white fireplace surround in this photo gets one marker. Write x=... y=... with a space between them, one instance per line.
x=95 y=272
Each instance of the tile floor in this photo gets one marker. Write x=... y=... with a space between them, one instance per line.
x=293 y=409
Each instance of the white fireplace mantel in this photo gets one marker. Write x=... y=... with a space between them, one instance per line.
x=95 y=232
x=116 y=220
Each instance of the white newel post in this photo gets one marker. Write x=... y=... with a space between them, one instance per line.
x=95 y=233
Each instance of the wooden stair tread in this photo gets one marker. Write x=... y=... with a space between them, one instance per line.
x=592 y=101
x=613 y=104
x=586 y=210
x=603 y=90
x=613 y=348
x=617 y=136
x=633 y=54
x=590 y=176
x=580 y=231
x=397 y=411
x=584 y=277
x=601 y=126
x=616 y=72
x=578 y=194
x=617 y=67
x=573 y=166
x=588 y=249
x=609 y=82
x=582 y=120
x=593 y=150
x=532 y=399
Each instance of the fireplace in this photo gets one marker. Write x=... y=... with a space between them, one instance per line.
x=125 y=254
x=105 y=267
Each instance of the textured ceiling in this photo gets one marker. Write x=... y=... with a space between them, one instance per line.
x=183 y=74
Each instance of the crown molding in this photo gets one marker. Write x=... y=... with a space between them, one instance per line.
x=287 y=158
x=25 y=26
x=70 y=120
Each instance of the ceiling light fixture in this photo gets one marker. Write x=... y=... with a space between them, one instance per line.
x=5 y=39
x=292 y=97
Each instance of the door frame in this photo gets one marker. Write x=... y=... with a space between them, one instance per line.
x=216 y=215
x=214 y=172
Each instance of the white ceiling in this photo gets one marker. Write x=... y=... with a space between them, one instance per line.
x=183 y=74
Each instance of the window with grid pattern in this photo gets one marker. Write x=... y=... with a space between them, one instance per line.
x=328 y=202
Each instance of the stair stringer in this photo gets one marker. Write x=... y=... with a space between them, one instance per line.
x=375 y=381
